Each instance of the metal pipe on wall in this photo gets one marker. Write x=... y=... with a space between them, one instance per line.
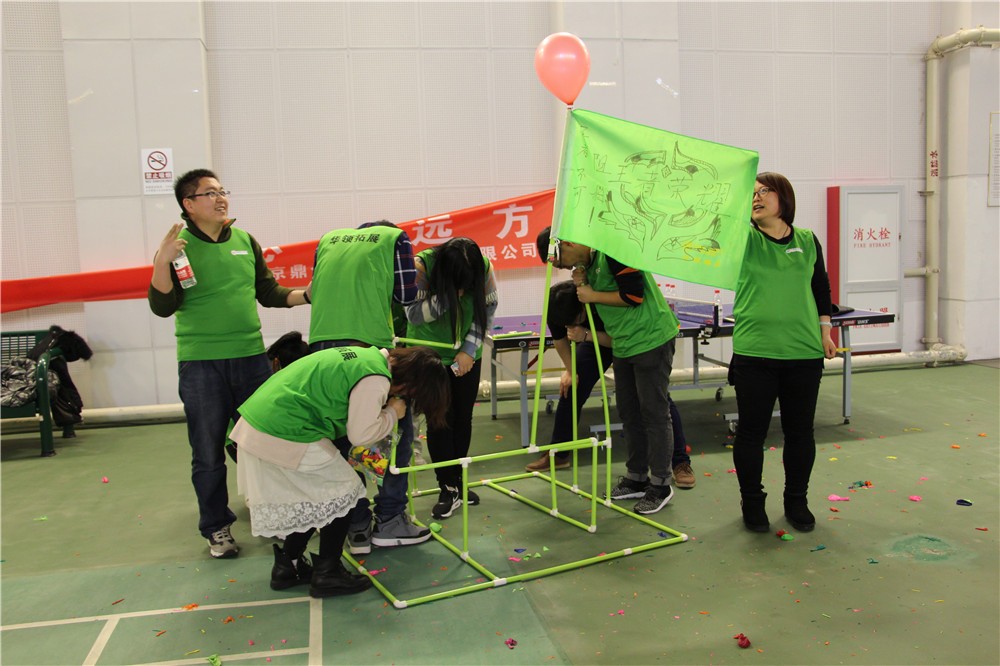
x=931 y=271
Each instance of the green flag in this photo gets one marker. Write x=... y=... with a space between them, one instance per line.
x=660 y=202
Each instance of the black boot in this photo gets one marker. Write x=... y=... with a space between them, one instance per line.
x=754 y=516
x=798 y=513
x=285 y=574
x=331 y=578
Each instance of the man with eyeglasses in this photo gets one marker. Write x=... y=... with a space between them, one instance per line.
x=220 y=349
x=643 y=329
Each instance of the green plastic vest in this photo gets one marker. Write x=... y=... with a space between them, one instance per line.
x=352 y=286
x=775 y=311
x=218 y=318
x=308 y=400
x=634 y=330
x=439 y=330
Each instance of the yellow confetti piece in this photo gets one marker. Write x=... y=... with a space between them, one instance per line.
x=891 y=458
x=834 y=459
x=192 y=652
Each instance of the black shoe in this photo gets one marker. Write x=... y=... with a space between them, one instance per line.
x=330 y=578
x=754 y=516
x=798 y=514
x=285 y=574
x=473 y=499
x=448 y=500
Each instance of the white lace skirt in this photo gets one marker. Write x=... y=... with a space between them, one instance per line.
x=282 y=501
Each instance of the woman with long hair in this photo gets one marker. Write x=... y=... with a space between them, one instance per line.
x=293 y=435
x=456 y=301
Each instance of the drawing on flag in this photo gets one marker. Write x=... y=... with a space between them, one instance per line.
x=657 y=201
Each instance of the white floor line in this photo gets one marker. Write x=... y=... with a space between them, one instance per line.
x=162 y=611
x=229 y=657
x=102 y=641
x=316 y=632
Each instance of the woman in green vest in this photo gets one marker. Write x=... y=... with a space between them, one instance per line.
x=456 y=301
x=293 y=470
x=781 y=336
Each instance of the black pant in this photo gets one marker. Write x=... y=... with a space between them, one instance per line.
x=453 y=441
x=795 y=385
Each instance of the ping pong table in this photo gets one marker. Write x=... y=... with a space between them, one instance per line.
x=698 y=321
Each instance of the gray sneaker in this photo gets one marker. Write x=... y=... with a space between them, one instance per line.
x=629 y=489
x=656 y=498
x=398 y=531
x=359 y=539
x=222 y=545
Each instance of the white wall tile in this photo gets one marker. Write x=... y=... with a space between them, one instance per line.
x=907 y=103
x=520 y=24
x=589 y=20
x=650 y=20
x=167 y=20
x=123 y=379
x=102 y=119
x=239 y=25
x=745 y=26
x=95 y=20
x=114 y=326
x=382 y=24
x=861 y=128
x=310 y=25
x=31 y=25
x=806 y=27
x=111 y=234
x=646 y=101
x=604 y=91
x=804 y=89
x=861 y=27
x=525 y=141
x=453 y=24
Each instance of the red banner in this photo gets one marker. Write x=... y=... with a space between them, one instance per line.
x=505 y=230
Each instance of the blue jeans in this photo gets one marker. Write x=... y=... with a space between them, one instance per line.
x=587 y=375
x=211 y=392
x=391 y=497
x=641 y=393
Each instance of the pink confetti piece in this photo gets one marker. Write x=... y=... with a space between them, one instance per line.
x=915 y=498
x=514 y=559
x=375 y=572
x=511 y=643
x=731 y=471
x=838 y=498
x=104 y=479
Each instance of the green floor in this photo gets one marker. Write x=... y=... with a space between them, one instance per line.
x=96 y=572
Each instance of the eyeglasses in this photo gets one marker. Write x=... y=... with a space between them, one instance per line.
x=762 y=192
x=211 y=194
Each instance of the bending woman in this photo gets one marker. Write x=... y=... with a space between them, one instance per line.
x=781 y=336
x=456 y=301
x=291 y=472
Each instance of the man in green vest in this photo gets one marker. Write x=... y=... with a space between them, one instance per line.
x=642 y=328
x=220 y=350
x=361 y=278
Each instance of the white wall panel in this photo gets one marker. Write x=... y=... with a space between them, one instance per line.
x=649 y=20
x=313 y=126
x=167 y=20
x=458 y=113
x=519 y=24
x=31 y=25
x=162 y=332
x=382 y=24
x=102 y=118
x=453 y=24
x=524 y=137
x=312 y=215
x=393 y=205
x=35 y=108
x=310 y=25
x=605 y=88
x=258 y=215
x=913 y=26
x=238 y=25
x=242 y=99
x=697 y=89
x=646 y=101
x=122 y=378
x=746 y=100
x=13 y=264
x=810 y=206
x=805 y=110
x=906 y=113
x=386 y=118
x=590 y=20
x=94 y=20
x=118 y=325
x=444 y=201
x=46 y=254
x=745 y=26
x=861 y=27
x=111 y=234
x=164 y=378
x=804 y=27
x=696 y=25
x=861 y=130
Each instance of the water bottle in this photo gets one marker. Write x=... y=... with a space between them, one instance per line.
x=184 y=271
x=718 y=307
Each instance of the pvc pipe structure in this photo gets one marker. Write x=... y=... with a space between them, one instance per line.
x=931 y=272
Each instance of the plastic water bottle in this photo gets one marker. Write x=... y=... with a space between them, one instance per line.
x=184 y=271
x=717 y=300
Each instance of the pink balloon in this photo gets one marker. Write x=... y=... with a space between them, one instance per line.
x=562 y=64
